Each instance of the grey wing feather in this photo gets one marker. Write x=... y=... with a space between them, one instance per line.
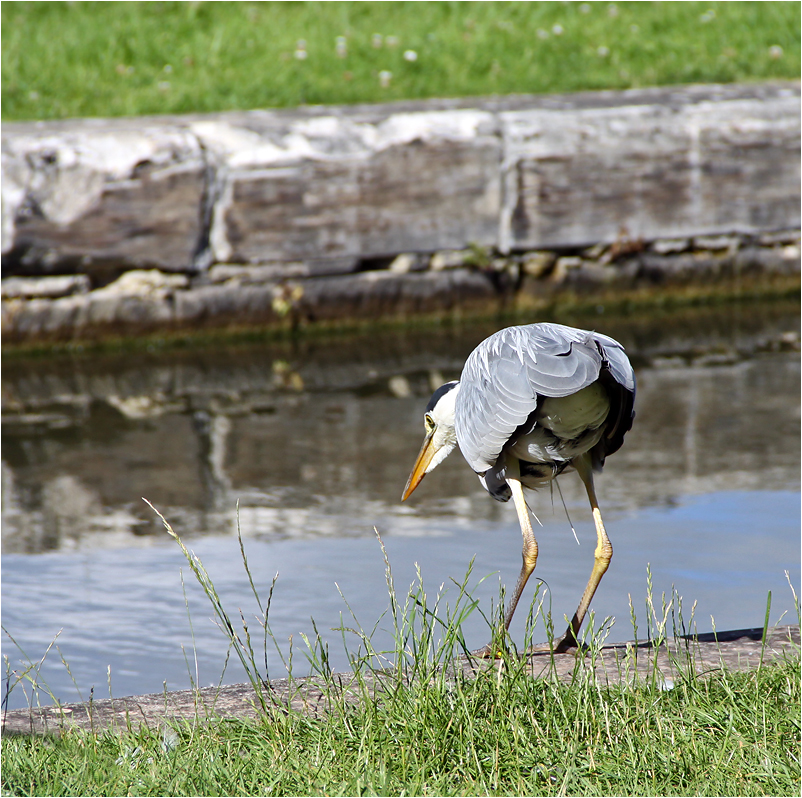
x=617 y=361
x=505 y=374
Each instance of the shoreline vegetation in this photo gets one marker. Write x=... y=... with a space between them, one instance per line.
x=412 y=723
x=63 y=60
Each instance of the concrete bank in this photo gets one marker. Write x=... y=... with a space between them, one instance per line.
x=704 y=655
x=325 y=214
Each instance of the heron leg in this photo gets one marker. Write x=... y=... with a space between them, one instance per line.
x=601 y=557
x=529 y=553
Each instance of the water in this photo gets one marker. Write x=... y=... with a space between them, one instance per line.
x=316 y=443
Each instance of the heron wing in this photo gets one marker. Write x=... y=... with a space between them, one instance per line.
x=504 y=376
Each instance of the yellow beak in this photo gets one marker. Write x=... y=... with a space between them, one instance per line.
x=421 y=464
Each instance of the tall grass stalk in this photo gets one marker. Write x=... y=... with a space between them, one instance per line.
x=240 y=643
x=30 y=676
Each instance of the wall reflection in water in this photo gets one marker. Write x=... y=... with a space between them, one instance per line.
x=319 y=440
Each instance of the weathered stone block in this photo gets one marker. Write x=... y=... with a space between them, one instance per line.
x=40 y=319
x=449 y=259
x=52 y=287
x=670 y=246
x=536 y=264
x=101 y=196
x=227 y=304
x=408 y=262
x=332 y=187
x=280 y=270
x=677 y=165
x=376 y=295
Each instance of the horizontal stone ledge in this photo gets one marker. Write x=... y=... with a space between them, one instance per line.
x=352 y=183
x=49 y=287
x=148 y=303
x=633 y=661
x=143 y=302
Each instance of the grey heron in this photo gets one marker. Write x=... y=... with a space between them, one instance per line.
x=533 y=402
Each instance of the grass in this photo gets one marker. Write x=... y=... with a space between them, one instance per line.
x=734 y=734
x=435 y=732
x=110 y=59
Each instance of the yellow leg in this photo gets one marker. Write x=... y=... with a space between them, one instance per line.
x=529 y=552
x=601 y=557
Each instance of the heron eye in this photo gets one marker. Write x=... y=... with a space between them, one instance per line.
x=428 y=422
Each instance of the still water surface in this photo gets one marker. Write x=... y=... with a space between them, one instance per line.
x=316 y=442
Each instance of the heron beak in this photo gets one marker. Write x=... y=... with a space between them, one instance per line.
x=425 y=455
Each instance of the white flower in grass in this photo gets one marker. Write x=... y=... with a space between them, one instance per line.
x=612 y=10
x=542 y=34
x=557 y=30
x=775 y=52
x=377 y=40
x=410 y=55
x=341 y=47
x=584 y=8
x=708 y=16
x=300 y=50
x=170 y=739
x=603 y=51
x=384 y=78
x=391 y=41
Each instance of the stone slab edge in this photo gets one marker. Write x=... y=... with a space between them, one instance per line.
x=632 y=661
x=36 y=311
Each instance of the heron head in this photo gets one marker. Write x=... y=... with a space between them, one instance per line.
x=440 y=440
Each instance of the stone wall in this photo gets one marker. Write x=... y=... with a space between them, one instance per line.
x=248 y=217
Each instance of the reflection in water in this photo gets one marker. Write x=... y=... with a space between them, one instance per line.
x=330 y=436
x=316 y=442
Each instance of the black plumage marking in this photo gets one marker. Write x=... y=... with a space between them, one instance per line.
x=440 y=393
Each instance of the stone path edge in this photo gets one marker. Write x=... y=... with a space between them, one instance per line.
x=704 y=654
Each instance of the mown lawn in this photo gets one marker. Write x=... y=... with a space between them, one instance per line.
x=109 y=59
x=732 y=734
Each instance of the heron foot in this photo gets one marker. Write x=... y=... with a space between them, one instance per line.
x=560 y=645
